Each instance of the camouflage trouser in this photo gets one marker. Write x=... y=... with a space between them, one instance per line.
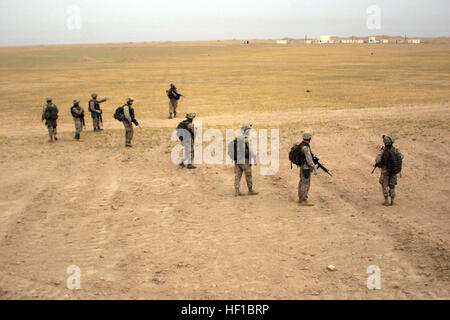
x=96 y=121
x=78 y=125
x=173 y=104
x=128 y=131
x=188 y=155
x=51 y=126
x=388 y=183
x=247 y=169
x=303 y=186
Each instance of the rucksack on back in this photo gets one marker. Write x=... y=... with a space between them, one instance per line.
x=118 y=114
x=183 y=125
x=232 y=150
x=296 y=156
x=51 y=113
x=395 y=162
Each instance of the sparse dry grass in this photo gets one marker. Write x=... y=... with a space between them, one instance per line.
x=219 y=78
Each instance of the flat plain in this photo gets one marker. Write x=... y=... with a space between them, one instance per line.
x=139 y=227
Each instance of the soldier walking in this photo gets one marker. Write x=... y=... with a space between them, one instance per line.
x=244 y=159
x=186 y=134
x=389 y=159
x=128 y=120
x=78 y=117
x=305 y=170
x=50 y=115
x=96 y=111
x=173 y=96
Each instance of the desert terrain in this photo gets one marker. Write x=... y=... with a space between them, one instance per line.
x=139 y=227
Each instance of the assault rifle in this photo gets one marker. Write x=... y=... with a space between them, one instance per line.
x=319 y=165
x=376 y=164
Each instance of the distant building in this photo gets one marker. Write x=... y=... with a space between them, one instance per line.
x=415 y=41
x=322 y=39
x=282 y=41
x=384 y=41
x=359 y=41
x=245 y=42
x=372 y=40
x=399 y=41
x=308 y=41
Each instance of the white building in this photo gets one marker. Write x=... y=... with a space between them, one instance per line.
x=322 y=39
x=415 y=41
x=308 y=41
x=372 y=40
x=282 y=41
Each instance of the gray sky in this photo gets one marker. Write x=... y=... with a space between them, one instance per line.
x=25 y=22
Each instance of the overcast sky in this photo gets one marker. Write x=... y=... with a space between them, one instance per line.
x=25 y=22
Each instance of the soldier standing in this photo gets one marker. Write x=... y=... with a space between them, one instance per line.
x=243 y=162
x=386 y=160
x=50 y=115
x=305 y=170
x=128 y=120
x=173 y=96
x=96 y=112
x=78 y=117
x=187 y=140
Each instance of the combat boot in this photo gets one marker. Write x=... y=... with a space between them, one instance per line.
x=306 y=203
x=182 y=165
x=128 y=145
x=386 y=201
x=238 y=193
x=174 y=114
x=56 y=139
x=77 y=136
x=190 y=166
x=392 y=201
x=170 y=116
x=252 y=192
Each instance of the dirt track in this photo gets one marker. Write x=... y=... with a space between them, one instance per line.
x=141 y=228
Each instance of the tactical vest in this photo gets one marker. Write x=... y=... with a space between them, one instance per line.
x=96 y=106
x=77 y=116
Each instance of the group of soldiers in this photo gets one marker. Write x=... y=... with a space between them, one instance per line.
x=388 y=179
x=50 y=115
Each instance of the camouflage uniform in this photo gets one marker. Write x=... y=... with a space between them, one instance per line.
x=50 y=124
x=96 y=112
x=305 y=171
x=387 y=181
x=188 y=144
x=173 y=103
x=246 y=167
x=127 y=123
x=78 y=116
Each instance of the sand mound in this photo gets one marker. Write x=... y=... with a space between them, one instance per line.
x=87 y=59
x=134 y=59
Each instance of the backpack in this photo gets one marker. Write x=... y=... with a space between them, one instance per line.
x=172 y=94
x=51 y=113
x=183 y=125
x=395 y=161
x=75 y=115
x=296 y=155
x=233 y=150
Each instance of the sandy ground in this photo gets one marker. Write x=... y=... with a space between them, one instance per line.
x=139 y=227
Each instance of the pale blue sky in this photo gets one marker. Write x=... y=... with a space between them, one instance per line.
x=25 y=22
